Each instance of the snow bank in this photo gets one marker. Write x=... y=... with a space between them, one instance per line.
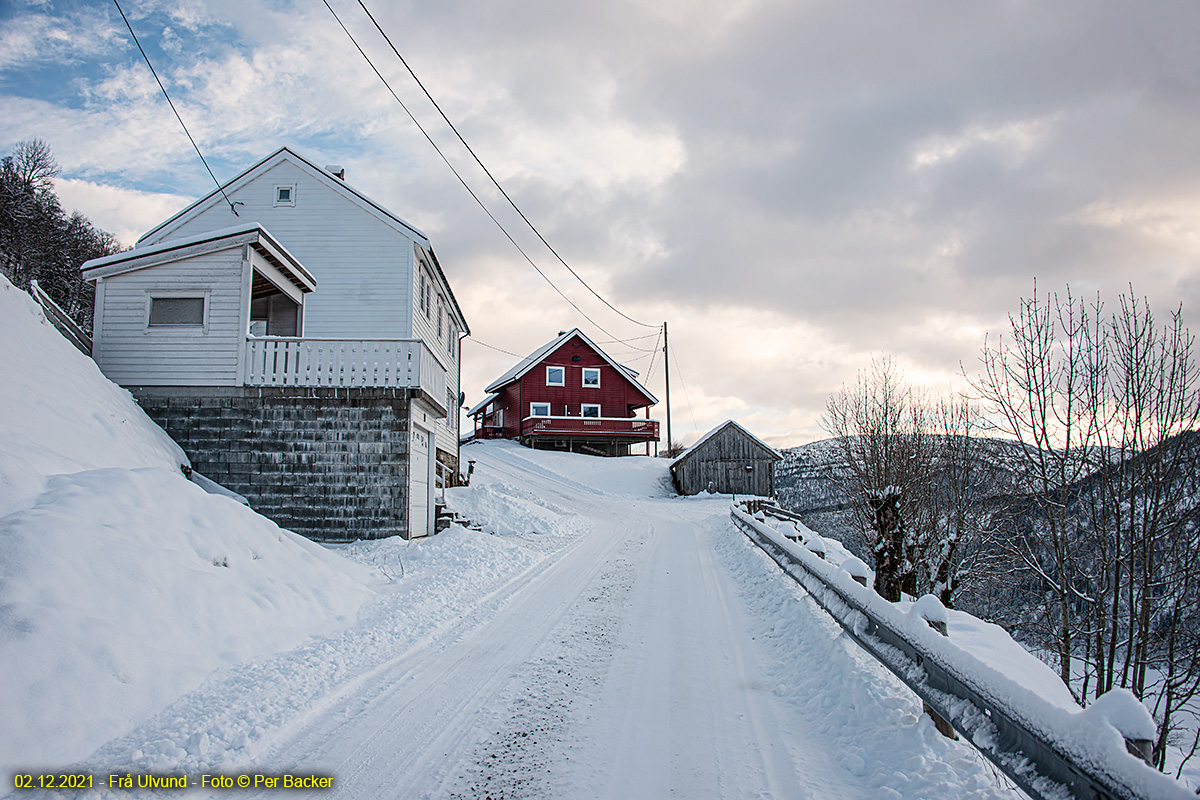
x=631 y=476
x=122 y=584
x=998 y=668
x=58 y=413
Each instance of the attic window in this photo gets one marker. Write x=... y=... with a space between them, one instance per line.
x=556 y=376
x=285 y=194
x=591 y=376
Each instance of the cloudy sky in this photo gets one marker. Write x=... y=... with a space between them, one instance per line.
x=794 y=186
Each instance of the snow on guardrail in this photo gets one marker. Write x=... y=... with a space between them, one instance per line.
x=1049 y=751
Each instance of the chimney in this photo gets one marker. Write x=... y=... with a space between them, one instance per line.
x=337 y=170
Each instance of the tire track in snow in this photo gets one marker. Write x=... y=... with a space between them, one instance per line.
x=535 y=736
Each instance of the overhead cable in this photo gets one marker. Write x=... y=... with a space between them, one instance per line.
x=493 y=347
x=461 y=180
x=492 y=177
x=220 y=188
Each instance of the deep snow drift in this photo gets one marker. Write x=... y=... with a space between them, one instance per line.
x=123 y=584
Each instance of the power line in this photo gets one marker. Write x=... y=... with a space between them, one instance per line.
x=172 y=105
x=488 y=172
x=493 y=347
x=650 y=369
x=654 y=335
x=461 y=180
x=686 y=399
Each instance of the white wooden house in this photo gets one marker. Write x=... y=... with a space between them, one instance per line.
x=308 y=298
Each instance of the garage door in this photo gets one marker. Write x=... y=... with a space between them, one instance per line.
x=420 y=487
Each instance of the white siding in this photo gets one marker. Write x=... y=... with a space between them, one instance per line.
x=131 y=354
x=364 y=267
x=361 y=263
x=425 y=328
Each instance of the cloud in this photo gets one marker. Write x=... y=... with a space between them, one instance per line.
x=124 y=213
x=794 y=185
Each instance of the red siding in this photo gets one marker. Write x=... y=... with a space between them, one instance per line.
x=617 y=395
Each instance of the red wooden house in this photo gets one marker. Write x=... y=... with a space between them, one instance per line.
x=568 y=395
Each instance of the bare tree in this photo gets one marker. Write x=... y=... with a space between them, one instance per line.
x=38 y=240
x=1039 y=386
x=1105 y=407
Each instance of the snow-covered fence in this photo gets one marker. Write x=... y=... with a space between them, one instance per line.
x=1050 y=752
x=61 y=320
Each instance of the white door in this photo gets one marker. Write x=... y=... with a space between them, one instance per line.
x=420 y=487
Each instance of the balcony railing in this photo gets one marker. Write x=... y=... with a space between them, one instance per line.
x=388 y=363
x=619 y=427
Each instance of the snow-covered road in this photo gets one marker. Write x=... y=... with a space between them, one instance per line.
x=628 y=664
x=601 y=638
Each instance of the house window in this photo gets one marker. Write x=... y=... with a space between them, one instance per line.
x=591 y=376
x=176 y=312
x=421 y=293
x=556 y=376
x=539 y=409
x=425 y=297
x=451 y=339
x=285 y=194
x=451 y=410
x=590 y=410
x=439 y=316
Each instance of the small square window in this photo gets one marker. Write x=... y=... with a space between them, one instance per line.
x=539 y=409
x=556 y=376
x=590 y=410
x=591 y=376
x=285 y=194
x=176 y=312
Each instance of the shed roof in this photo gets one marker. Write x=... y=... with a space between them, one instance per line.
x=533 y=359
x=482 y=404
x=699 y=443
x=250 y=233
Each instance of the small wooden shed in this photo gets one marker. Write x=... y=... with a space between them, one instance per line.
x=727 y=460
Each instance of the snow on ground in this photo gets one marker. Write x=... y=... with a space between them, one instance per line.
x=122 y=584
x=598 y=638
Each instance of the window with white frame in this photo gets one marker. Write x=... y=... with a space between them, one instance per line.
x=590 y=410
x=285 y=194
x=539 y=409
x=175 y=311
x=440 y=306
x=591 y=376
x=421 y=293
x=556 y=376
x=451 y=339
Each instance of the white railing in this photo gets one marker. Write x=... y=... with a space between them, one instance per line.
x=404 y=363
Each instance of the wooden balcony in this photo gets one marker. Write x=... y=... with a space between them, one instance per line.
x=346 y=363
x=626 y=428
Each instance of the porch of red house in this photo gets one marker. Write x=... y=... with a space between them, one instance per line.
x=608 y=436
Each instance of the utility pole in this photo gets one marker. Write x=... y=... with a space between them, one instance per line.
x=667 y=373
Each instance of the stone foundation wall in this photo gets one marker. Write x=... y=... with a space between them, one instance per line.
x=331 y=464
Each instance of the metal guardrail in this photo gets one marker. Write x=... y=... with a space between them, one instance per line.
x=1042 y=769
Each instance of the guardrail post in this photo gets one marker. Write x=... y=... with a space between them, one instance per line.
x=943 y=727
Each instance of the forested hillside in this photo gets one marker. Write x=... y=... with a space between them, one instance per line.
x=39 y=240
x=1007 y=572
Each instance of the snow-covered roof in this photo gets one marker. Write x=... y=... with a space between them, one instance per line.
x=250 y=233
x=533 y=359
x=482 y=404
x=696 y=445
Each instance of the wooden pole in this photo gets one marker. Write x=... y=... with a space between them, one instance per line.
x=667 y=373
